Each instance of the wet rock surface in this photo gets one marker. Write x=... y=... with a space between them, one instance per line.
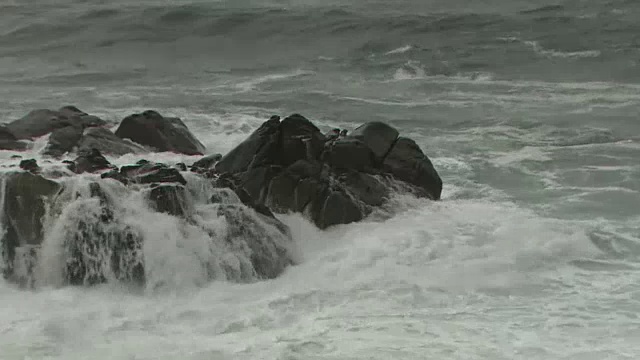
x=290 y=166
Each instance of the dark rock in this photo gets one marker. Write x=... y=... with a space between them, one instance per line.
x=37 y=123
x=159 y=132
x=181 y=166
x=227 y=180
x=170 y=199
x=301 y=140
x=146 y=173
x=90 y=160
x=43 y=121
x=254 y=181
x=348 y=153
x=259 y=149
x=63 y=140
x=311 y=189
x=365 y=187
x=408 y=163
x=108 y=143
x=116 y=175
x=339 y=208
x=6 y=134
x=289 y=165
x=159 y=173
x=8 y=141
x=281 y=193
x=25 y=201
x=207 y=162
x=86 y=119
x=16 y=157
x=378 y=136
x=30 y=165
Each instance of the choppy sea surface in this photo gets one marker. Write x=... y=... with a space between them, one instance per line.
x=530 y=111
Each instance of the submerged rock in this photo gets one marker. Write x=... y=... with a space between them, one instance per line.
x=171 y=199
x=30 y=165
x=146 y=173
x=98 y=246
x=25 y=200
x=161 y=133
x=267 y=240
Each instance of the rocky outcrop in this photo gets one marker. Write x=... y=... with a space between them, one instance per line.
x=290 y=166
x=161 y=133
x=72 y=129
x=224 y=205
x=43 y=121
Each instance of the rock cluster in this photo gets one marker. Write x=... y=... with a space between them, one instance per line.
x=286 y=165
x=290 y=166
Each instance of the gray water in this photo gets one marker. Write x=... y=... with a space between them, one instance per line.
x=528 y=109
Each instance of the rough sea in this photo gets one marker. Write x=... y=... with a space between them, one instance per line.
x=529 y=110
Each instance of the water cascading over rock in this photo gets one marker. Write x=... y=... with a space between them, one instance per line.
x=86 y=230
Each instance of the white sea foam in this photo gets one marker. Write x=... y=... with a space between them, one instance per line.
x=371 y=290
x=400 y=50
x=253 y=83
x=415 y=70
x=561 y=54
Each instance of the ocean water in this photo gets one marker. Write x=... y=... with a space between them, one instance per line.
x=530 y=111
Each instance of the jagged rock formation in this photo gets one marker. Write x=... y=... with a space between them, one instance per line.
x=290 y=165
x=88 y=211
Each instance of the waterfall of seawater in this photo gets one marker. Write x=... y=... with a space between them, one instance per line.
x=99 y=230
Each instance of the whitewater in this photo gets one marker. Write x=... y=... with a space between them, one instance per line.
x=528 y=110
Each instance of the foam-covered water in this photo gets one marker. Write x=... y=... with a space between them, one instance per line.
x=528 y=111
